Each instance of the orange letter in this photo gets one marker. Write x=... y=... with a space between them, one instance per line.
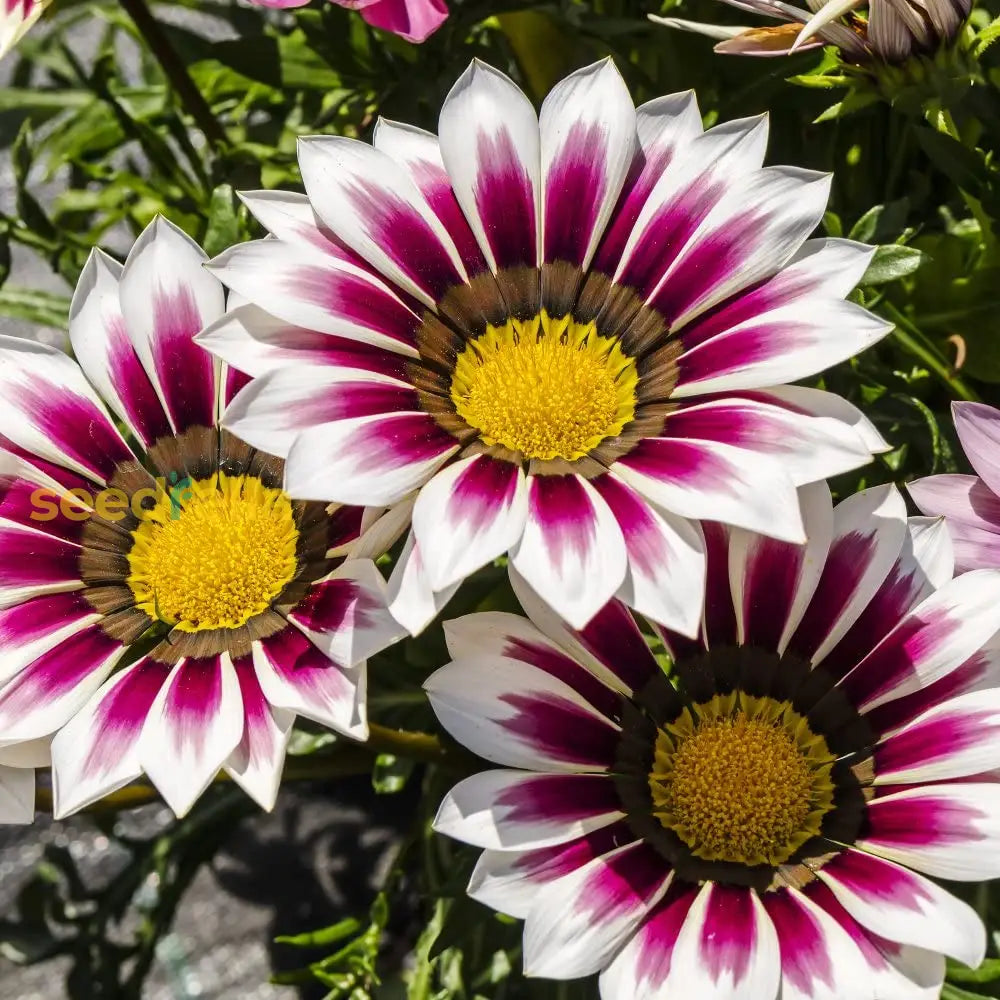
x=72 y=512
x=112 y=504
x=43 y=508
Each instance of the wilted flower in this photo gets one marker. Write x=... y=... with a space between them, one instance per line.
x=759 y=822
x=167 y=609
x=890 y=30
x=414 y=20
x=562 y=337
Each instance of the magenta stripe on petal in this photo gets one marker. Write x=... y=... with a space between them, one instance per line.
x=63 y=476
x=823 y=897
x=659 y=933
x=435 y=186
x=344 y=525
x=620 y=883
x=235 y=380
x=405 y=236
x=897 y=595
x=557 y=664
x=186 y=371
x=804 y=955
x=709 y=264
x=642 y=536
x=329 y=604
x=574 y=188
x=357 y=300
x=641 y=179
x=846 y=562
x=896 y=658
x=405 y=437
x=41 y=508
x=667 y=233
x=136 y=392
x=299 y=663
x=770 y=582
x=676 y=460
x=558 y=798
x=614 y=638
x=564 y=512
x=484 y=488
x=878 y=880
x=900 y=711
x=560 y=728
x=549 y=863
x=24 y=623
x=728 y=933
x=29 y=559
x=74 y=424
x=119 y=718
x=937 y=739
x=738 y=350
x=720 y=615
x=257 y=744
x=505 y=201
x=924 y=820
x=195 y=696
x=56 y=672
x=344 y=400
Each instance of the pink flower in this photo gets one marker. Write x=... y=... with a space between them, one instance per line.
x=414 y=20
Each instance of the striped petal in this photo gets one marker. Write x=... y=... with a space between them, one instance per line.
x=588 y=136
x=374 y=207
x=101 y=344
x=32 y=564
x=194 y=724
x=972 y=510
x=49 y=409
x=296 y=675
x=307 y=289
x=516 y=715
x=904 y=906
x=256 y=763
x=490 y=146
x=572 y=549
x=97 y=751
x=469 y=514
x=368 y=461
x=515 y=810
x=167 y=297
x=578 y=923
x=945 y=831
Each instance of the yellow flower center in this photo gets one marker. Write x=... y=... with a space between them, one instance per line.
x=548 y=388
x=213 y=553
x=741 y=779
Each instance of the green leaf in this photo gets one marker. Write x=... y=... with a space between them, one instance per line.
x=891 y=263
x=955 y=993
x=391 y=773
x=962 y=165
x=44 y=308
x=988 y=972
x=224 y=228
x=327 y=935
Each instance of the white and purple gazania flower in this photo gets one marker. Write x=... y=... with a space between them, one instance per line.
x=753 y=822
x=164 y=606
x=563 y=338
x=970 y=504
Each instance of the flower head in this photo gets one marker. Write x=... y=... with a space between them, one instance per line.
x=166 y=607
x=414 y=20
x=754 y=821
x=16 y=17
x=889 y=31
x=560 y=338
x=970 y=504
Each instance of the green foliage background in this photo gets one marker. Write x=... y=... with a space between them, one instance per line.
x=101 y=141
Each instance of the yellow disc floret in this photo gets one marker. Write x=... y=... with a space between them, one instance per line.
x=213 y=553
x=741 y=779
x=548 y=388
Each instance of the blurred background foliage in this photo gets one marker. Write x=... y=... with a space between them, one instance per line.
x=113 y=112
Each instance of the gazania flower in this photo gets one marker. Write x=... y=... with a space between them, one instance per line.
x=16 y=17
x=414 y=20
x=970 y=504
x=889 y=30
x=166 y=608
x=559 y=338
x=758 y=821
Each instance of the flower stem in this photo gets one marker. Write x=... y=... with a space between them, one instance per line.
x=347 y=760
x=175 y=71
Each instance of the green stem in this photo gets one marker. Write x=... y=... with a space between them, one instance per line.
x=921 y=348
x=348 y=760
x=175 y=71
